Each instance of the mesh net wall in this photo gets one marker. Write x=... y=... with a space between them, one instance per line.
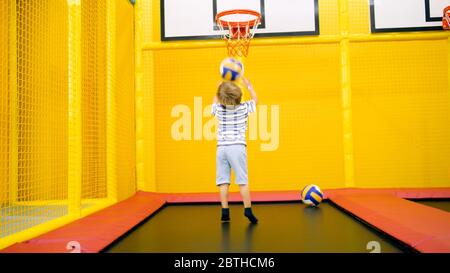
x=37 y=130
x=41 y=108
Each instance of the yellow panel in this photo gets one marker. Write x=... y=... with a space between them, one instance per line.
x=309 y=146
x=125 y=101
x=93 y=56
x=74 y=92
x=111 y=113
x=147 y=124
x=150 y=21
x=4 y=104
x=328 y=17
x=359 y=16
x=401 y=114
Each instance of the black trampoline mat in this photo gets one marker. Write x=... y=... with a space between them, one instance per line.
x=283 y=227
x=443 y=204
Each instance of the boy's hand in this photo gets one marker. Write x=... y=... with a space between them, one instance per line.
x=247 y=82
x=250 y=89
x=215 y=99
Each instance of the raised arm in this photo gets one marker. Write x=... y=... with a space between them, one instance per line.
x=250 y=89
x=216 y=99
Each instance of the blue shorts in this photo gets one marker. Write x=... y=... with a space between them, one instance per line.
x=231 y=157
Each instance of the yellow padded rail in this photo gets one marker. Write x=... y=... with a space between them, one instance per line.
x=4 y=105
x=125 y=100
x=93 y=107
x=346 y=93
x=74 y=108
x=111 y=123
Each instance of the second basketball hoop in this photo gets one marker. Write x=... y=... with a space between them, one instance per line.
x=238 y=28
x=446 y=19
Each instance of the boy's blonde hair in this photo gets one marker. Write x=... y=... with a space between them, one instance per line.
x=229 y=94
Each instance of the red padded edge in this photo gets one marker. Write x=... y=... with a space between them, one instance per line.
x=408 y=193
x=274 y=196
x=96 y=231
x=422 y=227
x=213 y=197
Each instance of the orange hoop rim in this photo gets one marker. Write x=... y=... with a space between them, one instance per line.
x=234 y=24
x=446 y=18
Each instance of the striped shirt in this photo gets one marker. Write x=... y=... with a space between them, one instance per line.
x=232 y=122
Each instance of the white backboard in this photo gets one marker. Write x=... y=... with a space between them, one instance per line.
x=406 y=15
x=195 y=19
x=434 y=9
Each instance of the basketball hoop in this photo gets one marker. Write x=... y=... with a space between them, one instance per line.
x=446 y=19
x=238 y=27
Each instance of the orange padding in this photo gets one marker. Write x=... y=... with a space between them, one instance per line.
x=417 y=193
x=277 y=196
x=422 y=227
x=97 y=231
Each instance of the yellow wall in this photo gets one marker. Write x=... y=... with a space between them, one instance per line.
x=309 y=102
x=401 y=110
x=394 y=114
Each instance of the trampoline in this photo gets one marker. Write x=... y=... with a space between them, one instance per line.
x=348 y=220
x=284 y=227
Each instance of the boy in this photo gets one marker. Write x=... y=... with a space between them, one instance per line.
x=231 y=143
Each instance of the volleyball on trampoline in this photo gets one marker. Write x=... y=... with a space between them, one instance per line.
x=311 y=195
x=231 y=69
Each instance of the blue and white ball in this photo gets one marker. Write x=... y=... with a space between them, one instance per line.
x=231 y=69
x=312 y=195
